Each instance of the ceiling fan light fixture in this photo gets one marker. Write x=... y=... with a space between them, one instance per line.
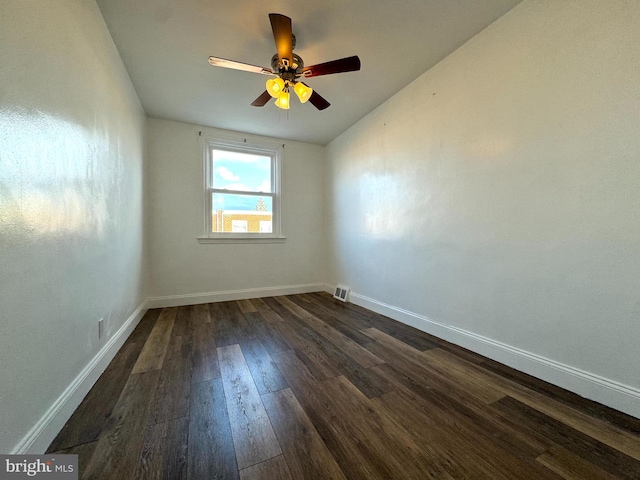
x=283 y=100
x=288 y=67
x=303 y=91
x=275 y=86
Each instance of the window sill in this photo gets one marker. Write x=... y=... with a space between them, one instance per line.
x=241 y=239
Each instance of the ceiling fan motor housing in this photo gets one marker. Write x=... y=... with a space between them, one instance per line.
x=294 y=70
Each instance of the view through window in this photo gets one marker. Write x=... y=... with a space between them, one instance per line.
x=242 y=193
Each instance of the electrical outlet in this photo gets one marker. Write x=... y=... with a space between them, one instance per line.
x=100 y=327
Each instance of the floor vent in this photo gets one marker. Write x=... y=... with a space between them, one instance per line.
x=341 y=293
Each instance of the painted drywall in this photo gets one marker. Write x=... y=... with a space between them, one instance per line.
x=180 y=266
x=71 y=203
x=498 y=193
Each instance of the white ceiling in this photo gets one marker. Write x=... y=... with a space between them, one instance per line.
x=165 y=45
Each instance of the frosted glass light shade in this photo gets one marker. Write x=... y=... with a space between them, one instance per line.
x=283 y=100
x=303 y=92
x=275 y=86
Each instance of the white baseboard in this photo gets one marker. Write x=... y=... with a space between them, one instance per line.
x=45 y=430
x=586 y=384
x=228 y=295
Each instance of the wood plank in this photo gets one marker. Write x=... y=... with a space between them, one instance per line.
x=306 y=453
x=283 y=312
x=230 y=324
x=252 y=318
x=589 y=407
x=267 y=313
x=330 y=421
x=339 y=310
x=344 y=326
x=442 y=444
x=618 y=438
x=606 y=433
x=245 y=332
x=263 y=369
x=572 y=467
x=171 y=398
x=234 y=314
x=182 y=324
x=252 y=433
x=364 y=379
x=450 y=366
x=480 y=444
x=246 y=306
x=386 y=438
x=292 y=307
x=272 y=340
x=143 y=329
x=155 y=348
x=515 y=435
x=210 y=452
x=226 y=337
x=395 y=352
x=88 y=421
x=365 y=446
x=219 y=317
x=460 y=410
x=84 y=452
x=270 y=316
x=201 y=314
x=461 y=352
x=359 y=354
x=274 y=468
x=315 y=360
x=230 y=336
x=431 y=393
x=164 y=452
x=405 y=333
x=204 y=358
x=118 y=451
x=571 y=439
x=258 y=303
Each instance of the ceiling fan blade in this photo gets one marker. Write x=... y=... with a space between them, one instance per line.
x=223 y=62
x=348 y=64
x=318 y=101
x=262 y=100
x=283 y=36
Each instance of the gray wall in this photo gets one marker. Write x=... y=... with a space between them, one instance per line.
x=496 y=199
x=183 y=271
x=71 y=202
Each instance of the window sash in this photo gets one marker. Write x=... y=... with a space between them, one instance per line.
x=257 y=196
x=253 y=151
x=275 y=153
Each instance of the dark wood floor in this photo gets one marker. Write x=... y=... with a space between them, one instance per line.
x=306 y=387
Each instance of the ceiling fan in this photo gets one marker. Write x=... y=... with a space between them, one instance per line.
x=288 y=68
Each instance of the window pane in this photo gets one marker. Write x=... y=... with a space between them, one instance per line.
x=241 y=213
x=241 y=171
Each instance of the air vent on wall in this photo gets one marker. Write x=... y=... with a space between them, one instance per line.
x=341 y=293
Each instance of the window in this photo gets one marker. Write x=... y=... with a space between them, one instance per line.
x=242 y=192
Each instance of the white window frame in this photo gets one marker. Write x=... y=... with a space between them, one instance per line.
x=275 y=152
